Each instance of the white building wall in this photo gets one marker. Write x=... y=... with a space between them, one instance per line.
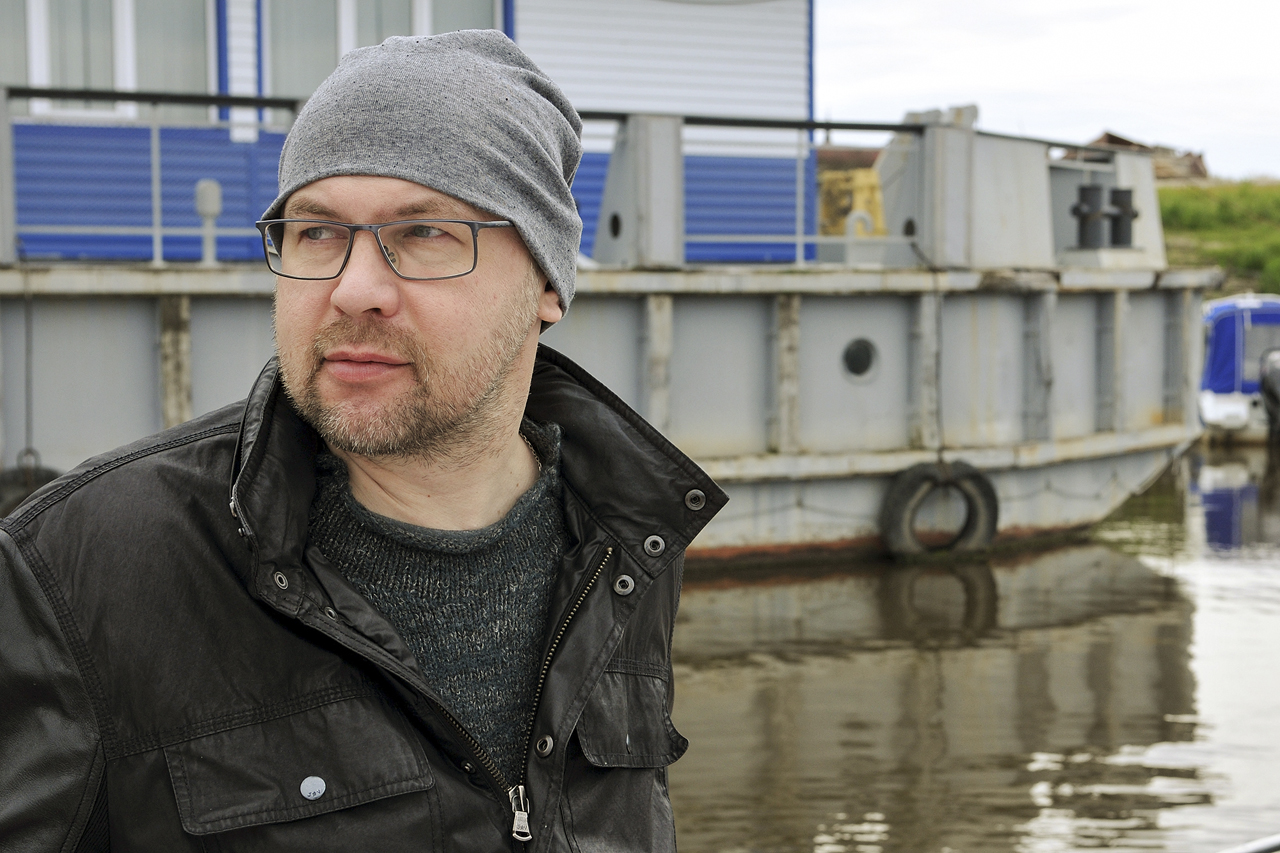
x=242 y=65
x=747 y=59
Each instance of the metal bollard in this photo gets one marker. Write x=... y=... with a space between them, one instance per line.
x=1090 y=216
x=1122 y=214
x=209 y=206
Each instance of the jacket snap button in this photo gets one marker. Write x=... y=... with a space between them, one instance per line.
x=695 y=500
x=544 y=745
x=312 y=787
x=623 y=585
x=331 y=613
x=282 y=582
x=467 y=767
x=653 y=546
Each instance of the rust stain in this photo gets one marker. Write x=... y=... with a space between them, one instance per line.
x=792 y=562
x=1010 y=534
x=781 y=564
x=780 y=549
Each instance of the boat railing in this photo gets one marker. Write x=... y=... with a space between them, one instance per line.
x=786 y=142
x=655 y=190
x=243 y=116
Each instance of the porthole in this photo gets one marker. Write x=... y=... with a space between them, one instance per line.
x=859 y=358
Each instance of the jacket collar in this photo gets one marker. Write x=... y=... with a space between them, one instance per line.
x=632 y=481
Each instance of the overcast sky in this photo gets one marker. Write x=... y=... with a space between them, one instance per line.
x=1203 y=76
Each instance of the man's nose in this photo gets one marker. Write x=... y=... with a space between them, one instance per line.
x=368 y=282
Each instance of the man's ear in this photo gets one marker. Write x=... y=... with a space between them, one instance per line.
x=549 y=308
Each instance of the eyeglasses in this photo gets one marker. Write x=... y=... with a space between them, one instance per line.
x=415 y=249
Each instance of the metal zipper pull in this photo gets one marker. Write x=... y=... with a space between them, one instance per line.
x=520 y=805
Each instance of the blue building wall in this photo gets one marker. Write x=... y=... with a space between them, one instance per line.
x=69 y=175
x=101 y=176
x=746 y=195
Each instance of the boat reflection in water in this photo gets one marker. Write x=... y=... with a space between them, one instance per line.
x=1239 y=491
x=992 y=706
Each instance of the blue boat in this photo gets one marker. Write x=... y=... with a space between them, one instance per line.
x=1239 y=331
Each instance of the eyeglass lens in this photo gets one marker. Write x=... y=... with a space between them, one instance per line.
x=418 y=249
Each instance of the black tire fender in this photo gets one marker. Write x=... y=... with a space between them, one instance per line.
x=902 y=620
x=908 y=490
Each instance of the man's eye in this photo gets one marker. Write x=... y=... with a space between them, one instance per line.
x=423 y=231
x=318 y=232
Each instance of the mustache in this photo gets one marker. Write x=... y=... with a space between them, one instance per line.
x=384 y=337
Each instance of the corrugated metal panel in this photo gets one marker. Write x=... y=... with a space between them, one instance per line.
x=743 y=195
x=82 y=175
x=723 y=195
x=247 y=172
x=735 y=59
x=588 y=188
x=101 y=176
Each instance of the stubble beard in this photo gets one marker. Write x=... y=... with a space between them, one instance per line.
x=451 y=412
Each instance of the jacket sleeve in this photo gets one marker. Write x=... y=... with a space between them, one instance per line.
x=52 y=795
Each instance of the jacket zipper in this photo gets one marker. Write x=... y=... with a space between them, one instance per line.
x=516 y=794
x=519 y=803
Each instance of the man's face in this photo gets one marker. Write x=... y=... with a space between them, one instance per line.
x=381 y=366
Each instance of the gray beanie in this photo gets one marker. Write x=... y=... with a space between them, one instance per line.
x=465 y=113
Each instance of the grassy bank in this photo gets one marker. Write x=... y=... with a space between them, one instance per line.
x=1233 y=225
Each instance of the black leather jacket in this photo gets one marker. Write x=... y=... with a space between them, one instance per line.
x=179 y=670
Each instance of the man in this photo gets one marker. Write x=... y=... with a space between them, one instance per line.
x=417 y=591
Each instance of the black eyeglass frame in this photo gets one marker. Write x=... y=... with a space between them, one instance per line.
x=476 y=227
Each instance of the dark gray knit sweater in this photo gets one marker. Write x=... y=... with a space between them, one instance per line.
x=470 y=604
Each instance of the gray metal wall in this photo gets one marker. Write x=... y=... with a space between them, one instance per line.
x=720 y=354
x=95 y=369
x=605 y=335
x=838 y=410
x=231 y=340
x=1075 y=365
x=94 y=376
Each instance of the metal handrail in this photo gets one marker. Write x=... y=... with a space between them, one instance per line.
x=803 y=128
x=805 y=145
x=152 y=97
x=157 y=230
x=768 y=123
x=804 y=124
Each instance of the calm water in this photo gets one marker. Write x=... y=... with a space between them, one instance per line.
x=1113 y=693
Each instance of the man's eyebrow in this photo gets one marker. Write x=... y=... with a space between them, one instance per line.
x=424 y=209
x=431 y=208
x=307 y=206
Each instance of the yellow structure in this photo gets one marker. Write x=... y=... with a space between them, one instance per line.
x=843 y=191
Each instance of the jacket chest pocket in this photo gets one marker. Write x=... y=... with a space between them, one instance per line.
x=616 y=783
x=291 y=782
